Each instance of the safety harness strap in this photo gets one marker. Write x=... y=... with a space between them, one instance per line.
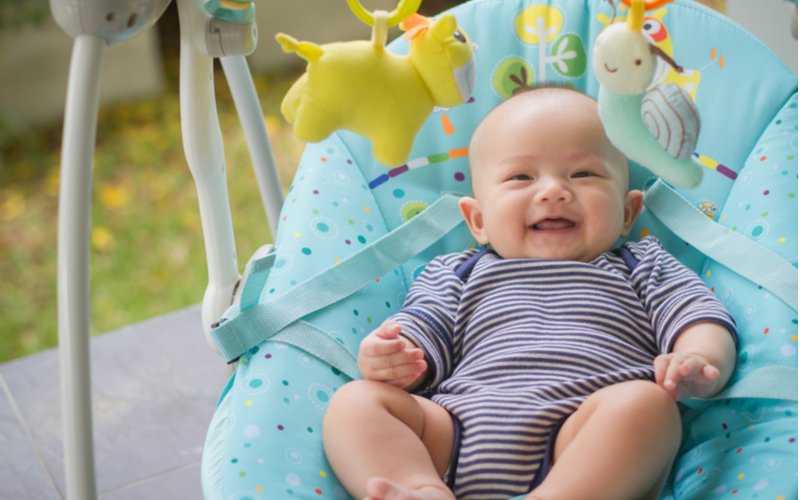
x=768 y=382
x=733 y=250
x=256 y=324
x=279 y=319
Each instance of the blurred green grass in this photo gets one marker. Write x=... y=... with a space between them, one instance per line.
x=148 y=256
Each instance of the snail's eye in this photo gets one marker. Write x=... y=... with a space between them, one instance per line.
x=638 y=62
x=459 y=37
x=652 y=27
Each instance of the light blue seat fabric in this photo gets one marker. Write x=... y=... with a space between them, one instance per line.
x=265 y=438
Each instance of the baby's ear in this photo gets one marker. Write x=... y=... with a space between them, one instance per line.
x=471 y=210
x=632 y=208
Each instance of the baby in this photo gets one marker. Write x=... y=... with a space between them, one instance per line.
x=553 y=362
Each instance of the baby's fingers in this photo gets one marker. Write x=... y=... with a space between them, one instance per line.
x=673 y=374
x=660 y=364
x=710 y=372
x=691 y=368
x=388 y=330
x=398 y=372
x=398 y=358
x=376 y=346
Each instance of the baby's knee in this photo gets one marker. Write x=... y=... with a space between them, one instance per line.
x=649 y=394
x=359 y=395
x=647 y=401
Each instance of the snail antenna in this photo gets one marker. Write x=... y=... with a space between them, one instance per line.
x=613 y=12
x=663 y=55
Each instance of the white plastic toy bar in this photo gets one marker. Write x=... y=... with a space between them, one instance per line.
x=94 y=24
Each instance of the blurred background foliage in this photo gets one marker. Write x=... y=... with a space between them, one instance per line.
x=147 y=247
x=18 y=13
x=147 y=256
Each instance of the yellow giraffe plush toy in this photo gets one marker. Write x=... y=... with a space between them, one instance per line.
x=384 y=97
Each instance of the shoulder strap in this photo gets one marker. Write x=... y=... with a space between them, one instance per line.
x=733 y=250
x=252 y=326
x=768 y=382
x=745 y=257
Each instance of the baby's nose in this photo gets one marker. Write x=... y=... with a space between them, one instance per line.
x=553 y=191
x=551 y=196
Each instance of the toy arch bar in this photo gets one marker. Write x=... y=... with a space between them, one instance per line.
x=652 y=4
x=404 y=9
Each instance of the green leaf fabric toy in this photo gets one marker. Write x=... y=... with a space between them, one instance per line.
x=657 y=128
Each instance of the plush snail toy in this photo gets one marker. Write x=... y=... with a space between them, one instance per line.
x=384 y=97
x=657 y=128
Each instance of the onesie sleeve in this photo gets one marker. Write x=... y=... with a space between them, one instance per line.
x=673 y=296
x=429 y=312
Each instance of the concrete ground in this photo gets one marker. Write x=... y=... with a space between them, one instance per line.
x=155 y=386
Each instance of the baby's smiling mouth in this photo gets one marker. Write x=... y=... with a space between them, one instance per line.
x=553 y=224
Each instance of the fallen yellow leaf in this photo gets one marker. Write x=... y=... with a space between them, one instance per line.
x=115 y=196
x=102 y=239
x=12 y=205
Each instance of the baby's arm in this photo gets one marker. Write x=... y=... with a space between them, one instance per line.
x=386 y=356
x=700 y=364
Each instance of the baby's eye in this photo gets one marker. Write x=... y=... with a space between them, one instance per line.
x=521 y=177
x=582 y=174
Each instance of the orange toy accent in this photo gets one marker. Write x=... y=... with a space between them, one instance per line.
x=415 y=25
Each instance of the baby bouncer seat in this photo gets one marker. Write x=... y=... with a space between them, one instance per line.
x=354 y=234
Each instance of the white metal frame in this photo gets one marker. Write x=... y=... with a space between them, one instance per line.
x=91 y=24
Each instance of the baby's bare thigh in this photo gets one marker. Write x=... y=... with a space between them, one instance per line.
x=438 y=434
x=374 y=401
x=633 y=399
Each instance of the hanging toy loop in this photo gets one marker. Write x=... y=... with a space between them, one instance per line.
x=636 y=15
x=637 y=10
x=648 y=5
x=380 y=29
x=404 y=9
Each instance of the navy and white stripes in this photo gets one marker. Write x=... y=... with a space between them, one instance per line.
x=519 y=344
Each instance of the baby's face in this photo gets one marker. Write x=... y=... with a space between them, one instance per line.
x=548 y=184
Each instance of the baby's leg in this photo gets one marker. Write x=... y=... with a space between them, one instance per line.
x=618 y=445
x=384 y=443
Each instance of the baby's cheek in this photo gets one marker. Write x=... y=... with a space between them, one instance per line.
x=609 y=215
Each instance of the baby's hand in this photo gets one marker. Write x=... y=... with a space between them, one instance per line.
x=387 y=357
x=685 y=376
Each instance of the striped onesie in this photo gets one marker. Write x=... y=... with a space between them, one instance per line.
x=517 y=345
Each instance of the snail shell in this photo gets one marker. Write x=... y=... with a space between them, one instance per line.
x=671 y=116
